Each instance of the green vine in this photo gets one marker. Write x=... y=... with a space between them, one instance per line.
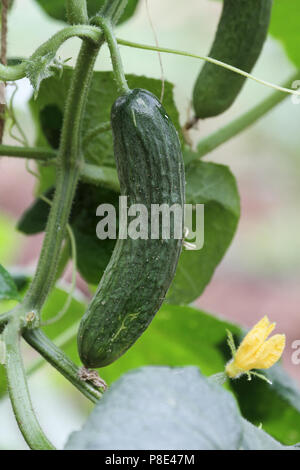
x=18 y=391
x=57 y=358
x=69 y=161
x=107 y=29
x=77 y=11
x=219 y=63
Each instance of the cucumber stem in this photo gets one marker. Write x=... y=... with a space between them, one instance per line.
x=77 y=11
x=219 y=63
x=34 y=153
x=19 y=393
x=69 y=162
x=57 y=358
x=16 y=72
x=117 y=64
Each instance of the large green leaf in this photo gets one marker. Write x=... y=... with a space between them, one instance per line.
x=164 y=408
x=56 y=8
x=285 y=27
x=49 y=107
x=214 y=186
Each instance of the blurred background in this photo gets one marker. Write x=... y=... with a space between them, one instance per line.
x=260 y=273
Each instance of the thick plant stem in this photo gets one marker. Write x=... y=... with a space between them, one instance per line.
x=107 y=28
x=57 y=358
x=61 y=341
x=69 y=162
x=34 y=153
x=89 y=173
x=19 y=394
x=16 y=72
x=77 y=11
x=214 y=140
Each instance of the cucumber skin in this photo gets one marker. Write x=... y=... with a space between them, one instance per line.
x=239 y=40
x=151 y=171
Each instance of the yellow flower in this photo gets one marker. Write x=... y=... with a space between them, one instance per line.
x=255 y=351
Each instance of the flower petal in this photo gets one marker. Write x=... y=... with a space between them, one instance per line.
x=252 y=343
x=270 y=352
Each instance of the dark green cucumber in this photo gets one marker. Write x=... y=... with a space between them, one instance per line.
x=240 y=37
x=135 y=282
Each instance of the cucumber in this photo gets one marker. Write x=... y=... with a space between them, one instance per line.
x=240 y=37
x=150 y=168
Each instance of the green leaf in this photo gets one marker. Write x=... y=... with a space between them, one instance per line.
x=164 y=408
x=8 y=288
x=285 y=27
x=56 y=8
x=214 y=186
x=49 y=107
x=34 y=219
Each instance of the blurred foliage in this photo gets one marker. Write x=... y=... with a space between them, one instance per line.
x=214 y=186
x=56 y=8
x=9 y=240
x=168 y=408
x=285 y=27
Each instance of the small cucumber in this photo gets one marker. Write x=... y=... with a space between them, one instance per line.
x=134 y=284
x=240 y=37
